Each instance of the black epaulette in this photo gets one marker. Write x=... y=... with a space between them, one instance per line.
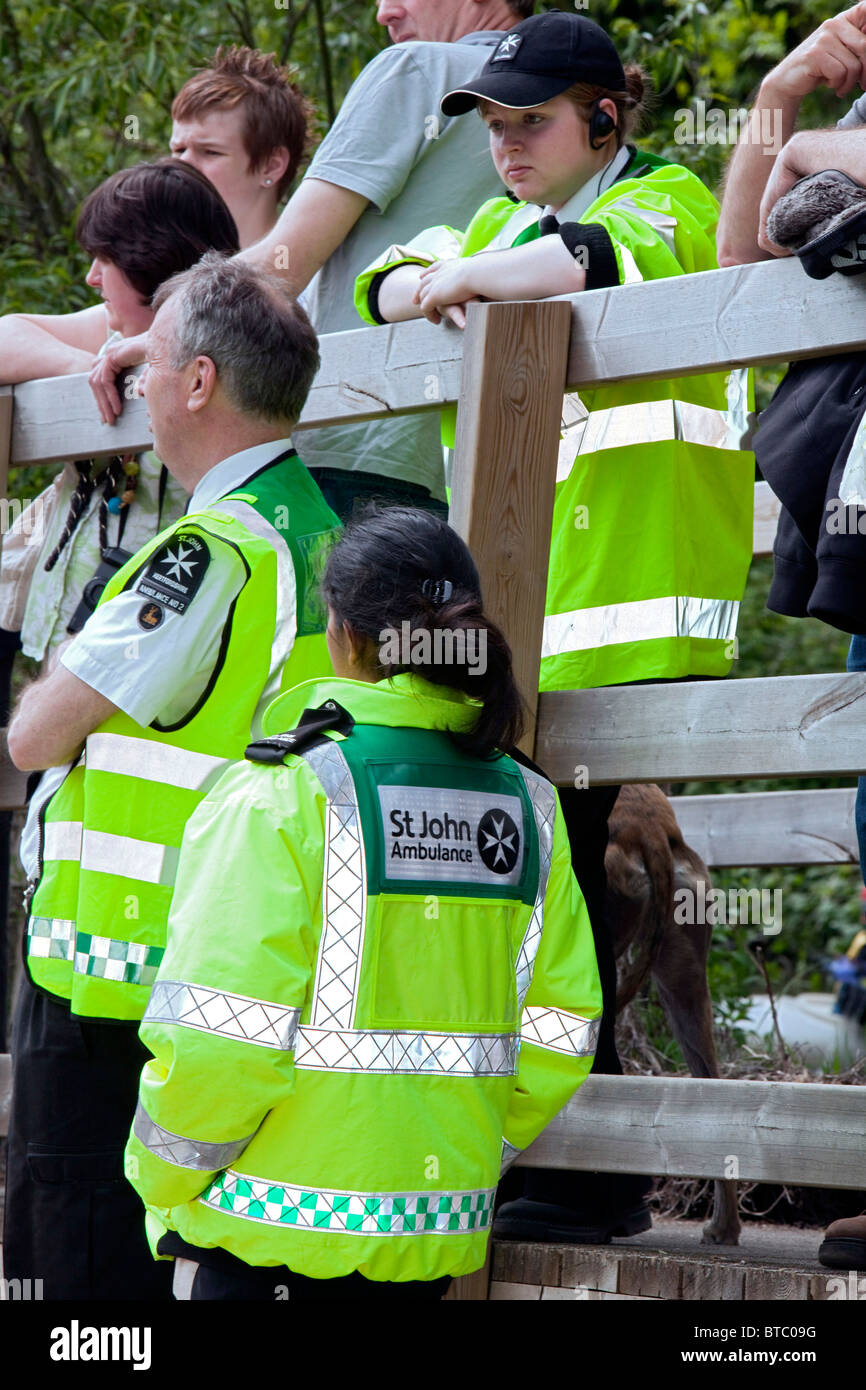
x=311 y=727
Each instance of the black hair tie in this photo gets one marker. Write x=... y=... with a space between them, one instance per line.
x=438 y=591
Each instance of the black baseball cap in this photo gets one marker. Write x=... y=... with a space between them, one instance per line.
x=540 y=58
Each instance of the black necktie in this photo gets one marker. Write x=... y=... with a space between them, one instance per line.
x=548 y=225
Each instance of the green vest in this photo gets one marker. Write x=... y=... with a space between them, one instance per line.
x=412 y=983
x=110 y=836
x=652 y=524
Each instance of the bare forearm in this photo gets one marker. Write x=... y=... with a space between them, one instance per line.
x=535 y=271
x=397 y=294
x=312 y=225
x=770 y=126
x=810 y=151
x=28 y=351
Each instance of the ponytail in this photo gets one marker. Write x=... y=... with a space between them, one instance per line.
x=406 y=580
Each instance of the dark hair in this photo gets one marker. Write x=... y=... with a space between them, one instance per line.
x=375 y=579
x=249 y=324
x=275 y=112
x=154 y=220
x=632 y=105
x=523 y=8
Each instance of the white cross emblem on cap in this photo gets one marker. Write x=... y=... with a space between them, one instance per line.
x=509 y=46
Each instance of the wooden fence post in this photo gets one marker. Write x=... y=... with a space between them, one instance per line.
x=508 y=429
x=508 y=422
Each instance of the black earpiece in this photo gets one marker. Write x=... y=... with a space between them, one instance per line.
x=601 y=125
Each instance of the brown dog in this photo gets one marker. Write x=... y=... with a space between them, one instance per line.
x=647 y=860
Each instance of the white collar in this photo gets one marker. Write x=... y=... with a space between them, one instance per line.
x=231 y=472
x=577 y=204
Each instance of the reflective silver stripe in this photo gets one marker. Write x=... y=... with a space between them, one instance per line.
x=62 y=839
x=51 y=938
x=631 y=270
x=559 y=1031
x=407 y=1052
x=236 y=1016
x=349 y=1213
x=647 y=422
x=543 y=799
x=121 y=854
x=124 y=962
x=343 y=892
x=663 y=222
x=740 y=419
x=185 y=1153
x=509 y=1154
x=153 y=762
x=643 y=620
x=286 y=627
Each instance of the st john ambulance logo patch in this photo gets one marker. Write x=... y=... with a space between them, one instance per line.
x=507 y=49
x=175 y=572
x=498 y=841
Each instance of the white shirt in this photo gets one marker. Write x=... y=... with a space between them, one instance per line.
x=160 y=672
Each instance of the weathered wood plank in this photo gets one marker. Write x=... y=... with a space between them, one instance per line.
x=767 y=508
x=810 y=827
x=784 y=726
x=508 y=429
x=364 y=374
x=777 y=1131
x=754 y=313
x=768 y=312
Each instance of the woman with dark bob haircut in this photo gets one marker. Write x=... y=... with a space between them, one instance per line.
x=139 y=227
x=369 y=889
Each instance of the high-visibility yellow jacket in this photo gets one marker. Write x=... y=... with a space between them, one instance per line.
x=110 y=835
x=652 y=524
x=379 y=978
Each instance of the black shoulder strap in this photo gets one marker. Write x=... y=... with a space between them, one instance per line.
x=313 y=724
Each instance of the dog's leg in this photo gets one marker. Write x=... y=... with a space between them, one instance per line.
x=680 y=972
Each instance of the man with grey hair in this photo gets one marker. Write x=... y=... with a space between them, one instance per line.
x=163 y=687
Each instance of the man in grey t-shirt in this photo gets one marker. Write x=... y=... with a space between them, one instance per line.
x=390 y=166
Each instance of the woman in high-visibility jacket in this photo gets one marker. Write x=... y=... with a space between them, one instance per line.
x=379 y=983
x=652 y=524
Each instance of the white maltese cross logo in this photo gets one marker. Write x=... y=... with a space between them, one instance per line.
x=508 y=47
x=179 y=566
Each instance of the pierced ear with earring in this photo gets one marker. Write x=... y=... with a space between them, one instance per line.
x=268 y=183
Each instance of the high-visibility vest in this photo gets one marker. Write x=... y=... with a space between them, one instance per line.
x=652 y=524
x=110 y=835
x=380 y=941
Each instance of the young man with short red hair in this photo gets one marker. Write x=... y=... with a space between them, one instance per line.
x=243 y=123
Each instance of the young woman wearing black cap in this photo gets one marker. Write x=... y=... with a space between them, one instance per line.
x=650 y=589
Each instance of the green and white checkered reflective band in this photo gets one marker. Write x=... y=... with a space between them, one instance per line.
x=126 y=962
x=51 y=938
x=350 y=1213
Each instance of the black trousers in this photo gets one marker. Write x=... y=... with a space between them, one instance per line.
x=586 y=813
x=72 y=1219
x=224 y=1276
